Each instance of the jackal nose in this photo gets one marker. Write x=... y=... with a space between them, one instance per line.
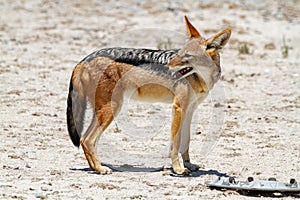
x=217 y=74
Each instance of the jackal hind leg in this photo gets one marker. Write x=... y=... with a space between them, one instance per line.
x=101 y=121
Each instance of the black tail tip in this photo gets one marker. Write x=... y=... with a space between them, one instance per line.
x=75 y=139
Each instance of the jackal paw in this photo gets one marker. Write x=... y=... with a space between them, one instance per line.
x=181 y=171
x=103 y=170
x=191 y=166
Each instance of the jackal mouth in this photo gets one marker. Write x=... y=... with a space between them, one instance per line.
x=182 y=73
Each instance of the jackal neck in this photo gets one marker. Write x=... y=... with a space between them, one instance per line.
x=135 y=56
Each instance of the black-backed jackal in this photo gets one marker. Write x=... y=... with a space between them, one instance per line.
x=179 y=76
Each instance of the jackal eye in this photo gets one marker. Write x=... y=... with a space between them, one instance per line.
x=212 y=46
x=187 y=56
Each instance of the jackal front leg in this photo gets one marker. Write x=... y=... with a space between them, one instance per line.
x=187 y=163
x=178 y=115
x=185 y=141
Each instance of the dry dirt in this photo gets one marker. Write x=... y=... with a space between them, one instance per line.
x=248 y=126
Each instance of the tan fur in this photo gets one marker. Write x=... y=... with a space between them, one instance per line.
x=104 y=83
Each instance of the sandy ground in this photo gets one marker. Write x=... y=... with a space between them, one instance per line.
x=248 y=126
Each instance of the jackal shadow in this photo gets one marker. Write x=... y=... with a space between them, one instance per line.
x=130 y=168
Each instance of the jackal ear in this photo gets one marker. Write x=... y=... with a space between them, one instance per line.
x=191 y=30
x=219 y=40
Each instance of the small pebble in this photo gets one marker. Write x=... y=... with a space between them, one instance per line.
x=44 y=188
x=39 y=195
x=267 y=71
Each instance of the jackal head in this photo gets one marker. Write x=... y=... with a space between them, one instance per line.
x=201 y=53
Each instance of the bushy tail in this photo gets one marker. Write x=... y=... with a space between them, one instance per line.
x=75 y=113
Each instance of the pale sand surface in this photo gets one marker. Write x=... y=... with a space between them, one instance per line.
x=249 y=126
